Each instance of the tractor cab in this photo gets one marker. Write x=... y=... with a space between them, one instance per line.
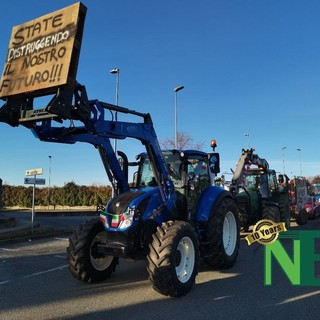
x=262 y=180
x=191 y=172
x=260 y=185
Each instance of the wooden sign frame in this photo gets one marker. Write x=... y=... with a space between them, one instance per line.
x=43 y=53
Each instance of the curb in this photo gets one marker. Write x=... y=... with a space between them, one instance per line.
x=12 y=229
x=26 y=232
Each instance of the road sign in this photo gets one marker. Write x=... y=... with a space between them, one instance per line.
x=34 y=181
x=34 y=172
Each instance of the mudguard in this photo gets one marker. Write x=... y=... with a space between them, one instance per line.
x=156 y=210
x=208 y=200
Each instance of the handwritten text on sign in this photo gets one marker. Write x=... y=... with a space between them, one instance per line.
x=40 y=52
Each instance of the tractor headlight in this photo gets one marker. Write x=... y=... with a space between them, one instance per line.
x=127 y=218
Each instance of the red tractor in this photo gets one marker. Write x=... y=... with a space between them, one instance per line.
x=312 y=207
x=303 y=206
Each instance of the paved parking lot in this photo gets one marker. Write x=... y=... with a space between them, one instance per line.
x=35 y=284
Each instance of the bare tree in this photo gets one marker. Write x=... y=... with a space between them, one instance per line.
x=184 y=141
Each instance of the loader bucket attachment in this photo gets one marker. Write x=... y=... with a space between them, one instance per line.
x=42 y=60
x=11 y=110
x=71 y=104
x=67 y=104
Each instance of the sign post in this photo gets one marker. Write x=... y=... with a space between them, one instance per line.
x=34 y=181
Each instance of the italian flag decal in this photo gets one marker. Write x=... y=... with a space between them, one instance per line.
x=115 y=221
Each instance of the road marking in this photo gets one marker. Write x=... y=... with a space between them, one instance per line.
x=221 y=298
x=303 y=296
x=4 y=282
x=12 y=250
x=64 y=239
x=46 y=271
x=62 y=257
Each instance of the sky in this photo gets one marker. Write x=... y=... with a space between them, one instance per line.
x=250 y=71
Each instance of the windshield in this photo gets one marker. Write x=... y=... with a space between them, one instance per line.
x=146 y=176
x=258 y=180
x=252 y=181
x=316 y=189
x=196 y=164
x=175 y=167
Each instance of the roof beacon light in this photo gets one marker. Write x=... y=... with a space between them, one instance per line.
x=213 y=144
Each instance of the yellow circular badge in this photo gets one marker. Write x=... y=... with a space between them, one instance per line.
x=265 y=232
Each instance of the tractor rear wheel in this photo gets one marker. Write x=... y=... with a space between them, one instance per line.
x=301 y=217
x=317 y=211
x=222 y=235
x=173 y=258
x=84 y=261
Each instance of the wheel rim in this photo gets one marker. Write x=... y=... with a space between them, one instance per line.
x=185 y=259
x=100 y=263
x=229 y=233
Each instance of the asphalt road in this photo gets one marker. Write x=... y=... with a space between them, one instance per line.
x=35 y=284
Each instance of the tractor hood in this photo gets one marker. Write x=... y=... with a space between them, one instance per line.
x=126 y=209
x=119 y=204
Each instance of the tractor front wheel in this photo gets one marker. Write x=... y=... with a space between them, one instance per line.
x=173 y=258
x=284 y=208
x=271 y=212
x=85 y=263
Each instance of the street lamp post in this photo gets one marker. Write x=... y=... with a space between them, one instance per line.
x=284 y=148
x=248 y=136
x=176 y=116
x=49 y=181
x=116 y=71
x=298 y=149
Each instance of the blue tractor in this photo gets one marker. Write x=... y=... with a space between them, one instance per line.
x=172 y=214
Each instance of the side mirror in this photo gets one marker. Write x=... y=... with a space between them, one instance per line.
x=280 y=178
x=123 y=162
x=135 y=179
x=191 y=176
x=191 y=180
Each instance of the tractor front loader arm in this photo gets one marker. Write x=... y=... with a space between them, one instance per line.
x=88 y=124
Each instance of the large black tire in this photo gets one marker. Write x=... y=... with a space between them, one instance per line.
x=173 y=258
x=84 y=262
x=222 y=235
x=301 y=217
x=317 y=212
x=284 y=208
x=271 y=212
